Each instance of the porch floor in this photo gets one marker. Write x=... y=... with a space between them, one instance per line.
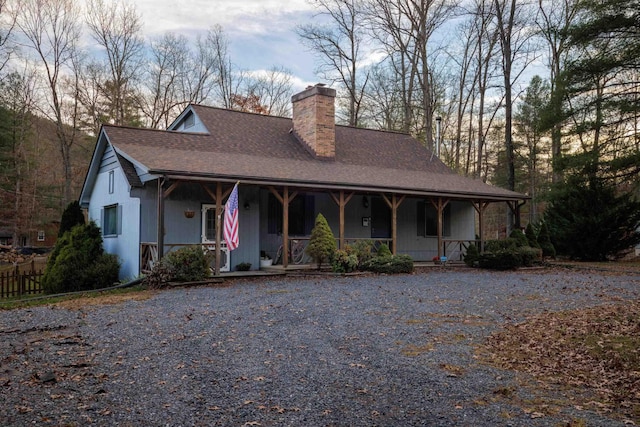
x=279 y=270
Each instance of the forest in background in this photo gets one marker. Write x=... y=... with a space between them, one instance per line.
x=534 y=96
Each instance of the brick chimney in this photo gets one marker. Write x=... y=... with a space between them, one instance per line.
x=314 y=120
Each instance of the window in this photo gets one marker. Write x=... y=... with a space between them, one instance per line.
x=40 y=235
x=112 y=183
x=189 y=120
x=427 y=220
x=112 y=220
x=301 y=215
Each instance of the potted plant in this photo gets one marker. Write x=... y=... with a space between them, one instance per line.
x=243 y=266
x=265 y=260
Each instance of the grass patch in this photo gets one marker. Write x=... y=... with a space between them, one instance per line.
x=80 y=300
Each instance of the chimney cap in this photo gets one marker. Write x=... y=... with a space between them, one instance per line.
x=317 y=89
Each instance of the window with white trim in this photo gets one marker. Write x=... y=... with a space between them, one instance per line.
x=40 y=235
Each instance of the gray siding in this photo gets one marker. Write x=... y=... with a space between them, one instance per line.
x=109 y=160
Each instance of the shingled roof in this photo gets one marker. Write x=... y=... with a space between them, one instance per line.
x=263 y=149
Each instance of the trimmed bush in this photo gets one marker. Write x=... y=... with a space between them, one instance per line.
x=322 y=244
x=187 y=264
x=530 y=256
x=472 y=255
x=78 y=262
x=344 y=261
x=383 y=251
x=392 y=264
x=500 y=260
x=363 y=250
x=519 y=237
x=508 y=244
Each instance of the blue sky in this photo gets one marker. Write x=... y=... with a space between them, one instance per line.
x=261 y=32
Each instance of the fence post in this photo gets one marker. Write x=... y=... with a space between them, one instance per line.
x=16 y=280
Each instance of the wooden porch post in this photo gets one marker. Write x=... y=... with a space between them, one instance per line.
x=480 y=207
x=341 y=201
x=160 y=231
x=285 y=199
x=394 y=204
x=218 y=226
x=440 y=204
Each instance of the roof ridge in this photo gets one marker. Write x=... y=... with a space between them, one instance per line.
x=211 y=107
x=180 y=132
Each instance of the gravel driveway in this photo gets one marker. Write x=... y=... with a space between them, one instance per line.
x=315 y=351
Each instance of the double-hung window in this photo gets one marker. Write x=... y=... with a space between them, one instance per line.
x=112 y=220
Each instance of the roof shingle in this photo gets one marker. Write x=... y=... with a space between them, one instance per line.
x=256 y=147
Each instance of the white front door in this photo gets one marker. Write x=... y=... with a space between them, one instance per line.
x=209 y=238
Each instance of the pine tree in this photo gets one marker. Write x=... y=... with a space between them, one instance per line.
x=322 y=244
x=71 y=217
x=531 y=236
x=590 y=222
x=544 y=239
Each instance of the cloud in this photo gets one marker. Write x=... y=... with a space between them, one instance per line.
x=261 y=33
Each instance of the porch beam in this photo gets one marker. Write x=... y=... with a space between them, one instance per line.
x=440 y=204
x=172 y=187
x=210 y=193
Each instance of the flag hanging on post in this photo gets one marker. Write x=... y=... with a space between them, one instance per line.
x=231 y=220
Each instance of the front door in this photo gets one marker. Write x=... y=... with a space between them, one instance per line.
x=209 y=238
x=380 y=219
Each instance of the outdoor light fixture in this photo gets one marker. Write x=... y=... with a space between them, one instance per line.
x=365 y=202
x=188 y=213
x=246 y=206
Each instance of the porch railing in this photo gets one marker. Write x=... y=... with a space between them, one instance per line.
x=149 y=252
x=455 y=250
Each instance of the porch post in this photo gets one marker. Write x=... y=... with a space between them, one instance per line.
x=440 y=205
x=480 y=207
x=218 y=226
x=160 y=231
x=285 y=227
x=394 y=204
x=341 y=201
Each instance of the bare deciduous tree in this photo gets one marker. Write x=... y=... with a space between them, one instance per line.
x=273 y=89
x=338 y=46
x=51 y=29
x=116 y=27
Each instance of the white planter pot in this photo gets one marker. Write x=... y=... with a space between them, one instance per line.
x=265 y=263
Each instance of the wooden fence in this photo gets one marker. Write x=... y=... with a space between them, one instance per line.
x=20 y=280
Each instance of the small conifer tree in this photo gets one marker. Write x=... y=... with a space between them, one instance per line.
x=544 y=239
x=322 y=244
x=531 y=236
x=71 y=217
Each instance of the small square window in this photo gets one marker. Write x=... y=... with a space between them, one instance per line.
x=40 y=235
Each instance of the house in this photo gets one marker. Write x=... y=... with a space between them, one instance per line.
x=153 y=191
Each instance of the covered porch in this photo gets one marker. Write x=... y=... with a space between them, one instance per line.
x=278 y=215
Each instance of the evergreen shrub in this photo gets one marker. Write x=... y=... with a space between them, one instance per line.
x=78 y=262
x=322 y=243
x=391 y=264
x=188 y=264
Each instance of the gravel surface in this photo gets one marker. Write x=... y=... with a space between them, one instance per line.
x=315 y=351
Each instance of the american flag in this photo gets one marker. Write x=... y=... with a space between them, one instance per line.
x=231 y=220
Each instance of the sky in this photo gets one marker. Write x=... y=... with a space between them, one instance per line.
x=261 y=33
